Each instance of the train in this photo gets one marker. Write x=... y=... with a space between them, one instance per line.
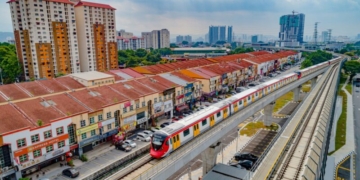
x=173 y=136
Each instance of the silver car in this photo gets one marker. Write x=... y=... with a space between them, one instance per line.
x=149 y=133
x=143 y=137
x=131 y=143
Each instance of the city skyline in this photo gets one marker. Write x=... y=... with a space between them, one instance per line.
x=249 y=17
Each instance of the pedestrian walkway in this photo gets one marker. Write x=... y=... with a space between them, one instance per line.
x=349 y=146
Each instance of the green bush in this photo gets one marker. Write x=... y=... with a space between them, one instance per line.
x=71 y=163
x=83 y=158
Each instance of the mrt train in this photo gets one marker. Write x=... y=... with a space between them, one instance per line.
x=171 y=137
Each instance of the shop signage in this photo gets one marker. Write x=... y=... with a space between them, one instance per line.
x=158 y=107
x=141 y=120
x=189 y=85
x=129 y=119
x=107 y=134
x=88 y=140
x=41 y=145
x=127 y=104
x=181 y=96
x=104 y=123
x=57 y=152
x=168 y=106
x=87 y=129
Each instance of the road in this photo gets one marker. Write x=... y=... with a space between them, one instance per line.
x=356 y=102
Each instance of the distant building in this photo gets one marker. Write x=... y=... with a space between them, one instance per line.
x=222 y=35
x=11 y=41
x=179 y=39
x=230 y=34
x=124 y=34
x=217 y=33
x=188 y=38
x=325 y=36
x=132 y=43
x=156 y=39
x=292 y=28
x=358 y=37
x=207 y=37
x=254 y=39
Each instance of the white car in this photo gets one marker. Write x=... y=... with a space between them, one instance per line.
x=143 y=137
x=149 y=133
x=131 y=143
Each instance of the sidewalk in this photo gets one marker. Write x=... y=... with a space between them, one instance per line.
x=349 y=146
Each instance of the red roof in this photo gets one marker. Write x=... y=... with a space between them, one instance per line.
x=59 y=1
x=164 y=68
x=66 y=105
x=222 y=68
x=34 y=88
x=117 y=78
x=69 y=82
x=12 y=119
x=183 y=77
x=2 y=99
x=36 y=111
x=13 y=92
x=165 y=82
x=91 y=4
x=131 y=72
x=211 y=74
x=152 y=83
x=144 y=90
x=128 y=91
x=53 y=85
x=258 y=53
x=91 y=98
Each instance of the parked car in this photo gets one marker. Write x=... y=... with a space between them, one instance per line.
x=131 y=143
x=250 y=85
x=143 y=137
x=262 y=80
x=245 y=156
x=123 y=147
x=71 y=172
x=278 y=72
x=243 y=163
x=164 y=124
x=153 y=129
x=240 y=89
x=272 y=75
x=149 y=133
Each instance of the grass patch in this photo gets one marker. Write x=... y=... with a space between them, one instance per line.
x=251 y=128
x=340 y=138
x=306 y=88
x=348 y=87
x=280 y=102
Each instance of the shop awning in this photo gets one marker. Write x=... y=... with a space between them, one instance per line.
x=182 y=107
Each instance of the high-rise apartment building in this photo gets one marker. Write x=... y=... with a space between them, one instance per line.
x=45 y=37
x=132 y=43
x=124 y=34
x=254 y=39
x=217 y=33
x=156 y=39
x=97 y=36
x=292 y=28
x=55 y=37
x=230 y=34
x=179 y=39
x=188 y=38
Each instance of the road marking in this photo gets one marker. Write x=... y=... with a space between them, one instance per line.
x=344 y=168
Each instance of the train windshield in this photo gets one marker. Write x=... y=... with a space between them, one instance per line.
x=158 y=140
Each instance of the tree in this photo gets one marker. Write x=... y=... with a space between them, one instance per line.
x=59 y=74
x=140 y=52
x=343 y=51
x=306 y=63
x=185 y=43
x=173 y=45
x=220 y=42
x=351 y=68
x=9 y=64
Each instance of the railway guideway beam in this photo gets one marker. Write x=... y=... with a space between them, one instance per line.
x=268 y=111
x=209 y=157
x=297 y=93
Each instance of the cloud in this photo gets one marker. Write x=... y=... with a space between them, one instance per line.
x=246 y=16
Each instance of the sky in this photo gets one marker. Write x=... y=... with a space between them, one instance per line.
x=193 y=17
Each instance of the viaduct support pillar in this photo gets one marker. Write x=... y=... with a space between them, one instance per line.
x=209 y=157
x=268 y=111
x=297 y=94
x=313 y=82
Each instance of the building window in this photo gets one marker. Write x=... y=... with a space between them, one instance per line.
x=59 y=130
x=131 y=107
x=108 y=115
x=218 y=114
x=83 y=136
x=160 y=98
x=203 y=122
x=109 y=126
x=82 y=123
x=93 y=132
x=61 y=144
x=155 y=100
x=186 y=132
x=23 y=158
x=47 y=134
x=71 y=133
x=100 y=117
x=49 y=148
x=37 y=153
x=143 y=104
x=178 y=93
x=21 y=142
x=124 y=110
x=137 y=105
x=92 y=120
x=35 y=138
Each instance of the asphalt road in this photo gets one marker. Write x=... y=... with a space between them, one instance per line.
x=356 y=103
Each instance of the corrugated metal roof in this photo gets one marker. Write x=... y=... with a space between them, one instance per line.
x=174 y=79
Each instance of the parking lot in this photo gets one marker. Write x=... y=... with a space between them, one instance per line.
x=258 y=145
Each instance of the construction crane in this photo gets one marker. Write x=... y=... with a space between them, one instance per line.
x=293 y=12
